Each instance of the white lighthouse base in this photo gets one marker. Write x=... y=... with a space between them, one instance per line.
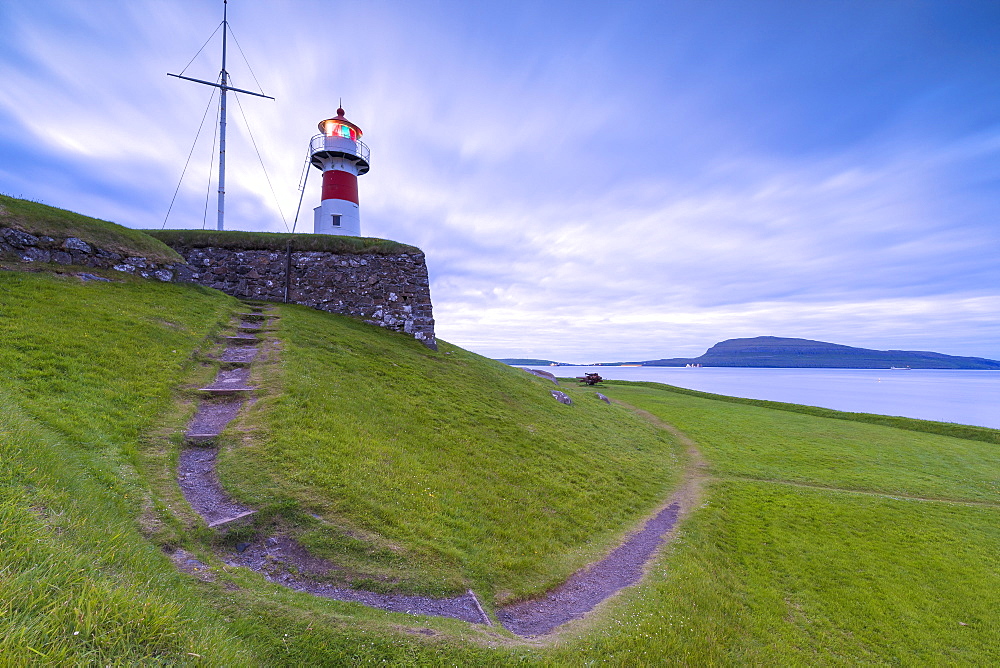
x=333 y=211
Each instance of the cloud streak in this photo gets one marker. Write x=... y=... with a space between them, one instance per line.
x=588 y=182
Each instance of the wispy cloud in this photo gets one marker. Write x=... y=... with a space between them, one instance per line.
x=640 y=181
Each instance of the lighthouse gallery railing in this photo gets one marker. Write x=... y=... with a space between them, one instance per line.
x=318 y=143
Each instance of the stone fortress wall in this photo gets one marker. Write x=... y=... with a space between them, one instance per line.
x=391 y=291
x=388 y=290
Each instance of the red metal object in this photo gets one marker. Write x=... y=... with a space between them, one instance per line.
x=340 y=185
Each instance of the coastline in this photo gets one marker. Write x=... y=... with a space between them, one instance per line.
x=960 y=396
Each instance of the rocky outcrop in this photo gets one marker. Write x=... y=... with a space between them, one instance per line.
x=543 y=374
x=561 y=397
x=72 y=251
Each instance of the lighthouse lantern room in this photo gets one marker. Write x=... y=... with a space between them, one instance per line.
x=340 y=154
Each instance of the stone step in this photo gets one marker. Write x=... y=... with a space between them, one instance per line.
x=237 y=363
x=229 y=381
x=228 y=522
x=222 y=390
x=241 y=340
x=211 y=418
x=239 y=355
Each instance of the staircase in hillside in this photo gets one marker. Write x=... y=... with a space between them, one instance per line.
x=219 y=404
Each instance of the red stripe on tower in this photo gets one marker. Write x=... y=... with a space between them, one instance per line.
x=340 y=185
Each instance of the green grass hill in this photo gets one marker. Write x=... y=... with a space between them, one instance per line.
x=43 y=220
x=431 y=471
x=821 y=538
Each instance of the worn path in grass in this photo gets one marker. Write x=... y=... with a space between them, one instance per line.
x=284 y=561
x=622 y=567
x=222 y=400
x=278 y=558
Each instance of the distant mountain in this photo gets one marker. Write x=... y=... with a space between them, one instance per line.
x=516 y=361
x=774 y=351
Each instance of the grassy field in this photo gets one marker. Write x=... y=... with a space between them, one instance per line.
x=806 y=552
x=963 y=431
x=763 y=443
x=44 y=220
x=769 y=574
x=821 y=540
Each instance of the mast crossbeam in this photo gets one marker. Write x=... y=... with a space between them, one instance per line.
x=218 y=85
x=224 y=87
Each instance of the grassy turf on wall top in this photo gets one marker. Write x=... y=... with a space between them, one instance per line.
x=276 y=241
x=43 y=220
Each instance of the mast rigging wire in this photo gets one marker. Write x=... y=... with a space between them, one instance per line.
x=239 y=104
x=188 y=162
x=211 y=163
x=240 y=48
x=203 y=47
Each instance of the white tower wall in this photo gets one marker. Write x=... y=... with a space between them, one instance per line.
x=350 y=218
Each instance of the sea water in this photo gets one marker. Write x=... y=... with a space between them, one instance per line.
x=944 y=395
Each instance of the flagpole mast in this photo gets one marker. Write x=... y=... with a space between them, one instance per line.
x=222 y=120
x=224 y=87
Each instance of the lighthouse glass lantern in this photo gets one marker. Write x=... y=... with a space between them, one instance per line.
x=340 y=154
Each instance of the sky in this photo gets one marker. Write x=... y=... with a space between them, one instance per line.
x=589 y=181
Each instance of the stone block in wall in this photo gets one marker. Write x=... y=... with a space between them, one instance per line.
x=184 y=273
x=107 y=255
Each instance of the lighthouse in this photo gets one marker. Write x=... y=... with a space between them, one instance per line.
x=340 y=154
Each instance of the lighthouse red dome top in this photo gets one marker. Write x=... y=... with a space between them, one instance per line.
x=339 y=126
x=341 y=139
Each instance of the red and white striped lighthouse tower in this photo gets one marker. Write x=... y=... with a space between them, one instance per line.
x=340 y=154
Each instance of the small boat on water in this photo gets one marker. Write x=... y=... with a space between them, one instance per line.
x=900 y=368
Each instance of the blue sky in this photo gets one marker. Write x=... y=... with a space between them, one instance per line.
x=590 y=181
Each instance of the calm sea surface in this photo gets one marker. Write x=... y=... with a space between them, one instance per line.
x=966 y=397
